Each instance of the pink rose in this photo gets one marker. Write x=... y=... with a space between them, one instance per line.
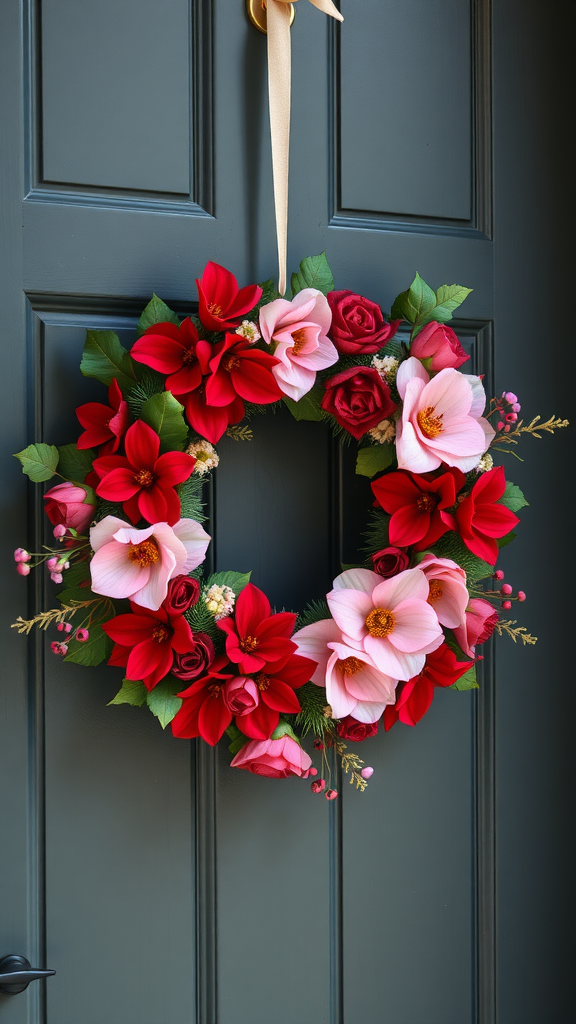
x=276 y=759
x=358 y=327
x=298 y=334
x=438 y=343
x=481 y=619
x=389 y=562
x=240 y=695
x=66 y=505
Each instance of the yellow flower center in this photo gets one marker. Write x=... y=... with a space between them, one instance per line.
x=349 y=666
x=248 y=644
x=214 y=309
x=230 y=362
x=144 y=477
x=426 y=502
x=299 y=341
x=380 y=622
x=146 y=553
x=429 y=424
x=262 y=681
x=435 y=592
x=160 y=633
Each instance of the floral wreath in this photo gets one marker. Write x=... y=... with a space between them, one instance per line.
x=208 y=654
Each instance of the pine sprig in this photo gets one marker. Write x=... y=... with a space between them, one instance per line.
x=313 y=612
x=149 y=383
x=376 y=533
x=203 y=621
x=313 y=718
x=190 y=494
x=515 y=632
x=240 y=433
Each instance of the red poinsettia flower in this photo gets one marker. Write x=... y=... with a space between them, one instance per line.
x=418 y=505
x=145 y=643
x=254 y=637
x=177 y=351
x=481 y=520
x=221 y=304
x=208 y=420
x=104 y=424
x=271 y=692
x=240 y=370
x=415 y=697
x=204 y=712
x=143 y=480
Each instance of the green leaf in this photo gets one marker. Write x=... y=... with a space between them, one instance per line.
x=165 y=415
x=452 y=546
x=374 y=459
x=235 y=580
x=503 y=541
x=157 y=312
x=513 y=497
x=97 y=648
x=466 y=682
x=415 y=304
x=39 y=461
x=162 y=700
x=448 y=298
x=308 y=407
x=75 y=464
x=130 y=693
x=314 y=273
x=74 y=577
x=105 y=359
x=269 y=292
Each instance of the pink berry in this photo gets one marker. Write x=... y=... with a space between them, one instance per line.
x=60 y=627
x=81 y=634
x=516 y=407
x=506 y=589
x=511 y=417
x=507 y=605
x=510 y=397
x=331 y=794
x=59 y=531
x=51 y=564
x=312 y=771
x=56 y=577
x=21 y=555
x=521 y=595
x=507 y=428
x=367 y=773
x=58 y=648
x=499 y=425
x=67 y=627
x=318 y=785
x=23 y=568
x=499 y=574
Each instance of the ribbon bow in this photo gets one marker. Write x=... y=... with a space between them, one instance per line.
x=279 y=76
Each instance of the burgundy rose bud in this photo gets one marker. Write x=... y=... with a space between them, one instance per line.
x=183 y=593
x=194 y=663
x=438 y=343
x=350 y=729
x=358 y=327
x=358 y=399
x=389 y=562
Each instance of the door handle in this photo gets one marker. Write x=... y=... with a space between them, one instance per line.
x=16 y=973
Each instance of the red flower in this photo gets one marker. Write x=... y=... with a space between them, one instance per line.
x=176 y=351
x=351 y=729
x=255 y=638
x=204 y=712
x=207 y=420
x=358 y=326
x=274 y=692
x=183 y=593
x=105 y=425
x=238 y=370
x=415 y=697
x=358 y=399
x=417 y=505
x=389 y=562
x=142 y=480
x=481 y=520
x=145 y=643
x=196 y=662
x=221 y=304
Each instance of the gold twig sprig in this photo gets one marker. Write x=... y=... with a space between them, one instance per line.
x=240 y=433
x=351 y=765
x=62 y=614
x=516 y=632
x=533 y=428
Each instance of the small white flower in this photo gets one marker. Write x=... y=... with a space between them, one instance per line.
x=387 y=367
x=219 y=601
x=486 y=463
x=249 y=331
x=205 y=455
x=384 y=432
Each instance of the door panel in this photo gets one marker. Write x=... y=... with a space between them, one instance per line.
x=163 y=886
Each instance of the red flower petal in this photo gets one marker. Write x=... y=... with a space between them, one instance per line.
x=213 y=720
x=280 y=697
x=182 y=640
x=142 y=445
x=128 y=629
x=118 y=485
x=158 y=350
x=173 y=468
x=255 y=382
x=154 y=507
x=188 y=378
x=252 y=606
x=260 y=723
x=148 y=658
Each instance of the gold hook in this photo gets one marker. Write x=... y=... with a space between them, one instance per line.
x=257 y=13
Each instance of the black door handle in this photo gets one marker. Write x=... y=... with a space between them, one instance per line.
x=16 y=973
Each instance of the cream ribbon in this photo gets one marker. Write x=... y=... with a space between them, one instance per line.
x=279 y=72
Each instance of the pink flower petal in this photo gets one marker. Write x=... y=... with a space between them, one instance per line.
x=410 y=369
x=370 y=711
x=113 y=574
x=339 y=699
x=416 y=625
x=349 y=609
x=357 y=579
x=410 y=584
x=394 y=663
x=312 y=642
x=105 y=530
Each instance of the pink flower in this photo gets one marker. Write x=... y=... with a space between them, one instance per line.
x=481 y=619
x=67 y=505
x=441 y=419
x=240 y=695
x=439 y=343
x=298 y=332
x=448 y=592
x=138 y=563
x=276 y=759
x=354 y=686
x=389 y=620
x=312 y=642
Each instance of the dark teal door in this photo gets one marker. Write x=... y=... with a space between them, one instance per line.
x=162 y=886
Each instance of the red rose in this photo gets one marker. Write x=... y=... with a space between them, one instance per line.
x=350 y=729
x=195 y=662
x=438 y=343
x=389 y=562
x=358 y=327
x=183 y=593
x=358 y=399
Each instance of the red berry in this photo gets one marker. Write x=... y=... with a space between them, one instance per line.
x=499 y=574
x=506 y=589
x=507 y=605
x=521 y=595
x=318 y=745
x=331 y=794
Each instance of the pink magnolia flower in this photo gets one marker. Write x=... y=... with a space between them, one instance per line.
x=312 y=642
x=298 y=331
x=441 y=419
x=390 y=620
x=448 y=592
x=276 y=759
x=354 y=686
x=481 y=619
x=139 y=563
x=67 y=505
